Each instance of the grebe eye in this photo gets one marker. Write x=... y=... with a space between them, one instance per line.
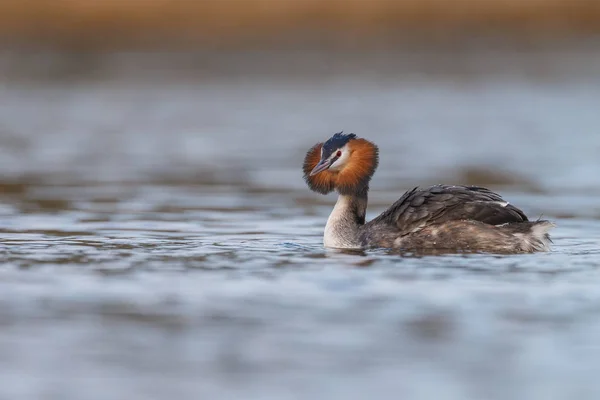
x=338 y=154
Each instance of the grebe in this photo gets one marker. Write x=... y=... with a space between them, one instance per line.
x=441 y=217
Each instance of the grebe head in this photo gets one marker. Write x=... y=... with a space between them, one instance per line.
x=344 y=163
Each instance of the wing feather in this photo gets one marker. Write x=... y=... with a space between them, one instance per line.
x=441 y=203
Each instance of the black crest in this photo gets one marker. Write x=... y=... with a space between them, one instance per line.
x=335 y=142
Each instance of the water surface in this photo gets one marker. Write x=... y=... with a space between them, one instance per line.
x=157 y=240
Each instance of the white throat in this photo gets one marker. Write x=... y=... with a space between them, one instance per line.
x=341 y=231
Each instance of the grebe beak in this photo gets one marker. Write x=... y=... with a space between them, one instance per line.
x=320 y=167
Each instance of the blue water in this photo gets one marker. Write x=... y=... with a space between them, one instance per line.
x=157 y=240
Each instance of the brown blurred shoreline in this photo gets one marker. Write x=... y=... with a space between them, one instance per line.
x=122 y=24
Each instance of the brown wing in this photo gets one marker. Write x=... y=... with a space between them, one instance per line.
x=441 y=203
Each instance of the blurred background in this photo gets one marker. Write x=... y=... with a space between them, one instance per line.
x=157 y=239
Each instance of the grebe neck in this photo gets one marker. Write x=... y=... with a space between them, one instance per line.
x=345 y=221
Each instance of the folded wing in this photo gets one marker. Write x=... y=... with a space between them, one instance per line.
x=441 y=203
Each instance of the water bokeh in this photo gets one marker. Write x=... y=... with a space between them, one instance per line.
x=158 y=241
